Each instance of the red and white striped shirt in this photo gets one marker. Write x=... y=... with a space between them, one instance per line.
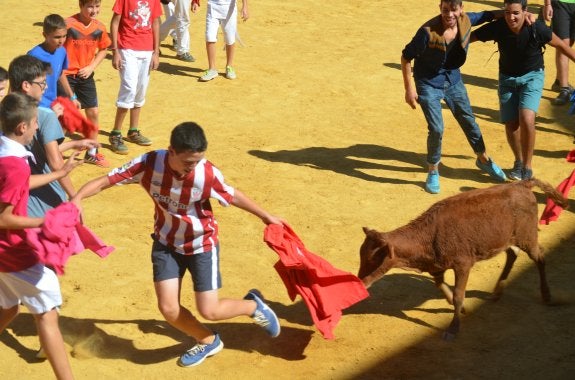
x=183 y=216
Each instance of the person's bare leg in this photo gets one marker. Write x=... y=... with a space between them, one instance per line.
x=230 y=54
x=513 y=138
x=53 y=344
x=527 y=135
x=7 y=316
x=562 y=64
x=168 y=295
x=92 y=114
x=211 y=50
x=135 y=117
x=119 y=119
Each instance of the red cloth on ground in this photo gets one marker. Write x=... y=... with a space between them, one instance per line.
x=552 y=211
x=61 y=236
x=325 y=290
x=72 y=119
x=571 y=156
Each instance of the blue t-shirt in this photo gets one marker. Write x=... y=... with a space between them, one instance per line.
x=59 y=61
x=51 y=195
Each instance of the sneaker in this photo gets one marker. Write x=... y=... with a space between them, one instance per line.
x=98 y=159
x=117 y=144
x=516 y=172
x=230 y=72
x=526 y=174
x=187 y=57
x=264 y=316
x=492 y=169
x=137 y=137
x=432 y=182
x=563 y=97
x=209 y=75
x=197 y=354
x=556 y=87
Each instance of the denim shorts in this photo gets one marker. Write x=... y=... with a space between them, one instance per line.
x=517 y=93
x=204 y=267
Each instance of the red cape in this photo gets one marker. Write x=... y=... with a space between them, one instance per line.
x=326 y=290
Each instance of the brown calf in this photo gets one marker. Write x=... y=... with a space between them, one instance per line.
x=458 y=231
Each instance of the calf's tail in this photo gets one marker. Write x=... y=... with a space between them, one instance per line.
x=550 y=191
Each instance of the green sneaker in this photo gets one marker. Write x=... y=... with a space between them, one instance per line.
x=137 y=137
x=209 y=75
x=230 y=72
x=117 y=144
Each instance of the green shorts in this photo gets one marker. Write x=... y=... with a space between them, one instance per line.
x=516 y=93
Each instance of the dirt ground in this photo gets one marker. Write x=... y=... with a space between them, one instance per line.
x=314 y=129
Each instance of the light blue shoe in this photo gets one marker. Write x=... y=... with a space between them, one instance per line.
x=432 y=182
x=264 y=315
x=492 y=169
x=197 y=354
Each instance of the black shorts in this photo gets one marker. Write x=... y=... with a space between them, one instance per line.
x=563 y=22
x=85 y=90
x=204 y=267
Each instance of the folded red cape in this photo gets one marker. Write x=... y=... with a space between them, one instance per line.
x=552 y=210
x=325 y=290
x=61 y=236
x=72 y=119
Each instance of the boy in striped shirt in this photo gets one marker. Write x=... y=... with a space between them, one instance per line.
x=181 y=181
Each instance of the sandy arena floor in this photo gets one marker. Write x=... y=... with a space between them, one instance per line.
x=315 y=129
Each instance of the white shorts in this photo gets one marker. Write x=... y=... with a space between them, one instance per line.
x=36 y=287
x=227 y=17
x=134 y=77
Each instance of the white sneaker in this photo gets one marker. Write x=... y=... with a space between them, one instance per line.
x=209 y=75
x=230 y=72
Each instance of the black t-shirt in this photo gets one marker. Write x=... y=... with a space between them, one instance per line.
x=518 y=53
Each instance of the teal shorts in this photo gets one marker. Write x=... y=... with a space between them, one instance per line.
x=516 y=93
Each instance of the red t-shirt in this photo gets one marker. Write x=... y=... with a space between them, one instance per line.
x=136 y=19
x=83 y=42
x=15 y=254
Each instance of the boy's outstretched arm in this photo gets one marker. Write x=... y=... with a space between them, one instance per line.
x=38 y=180
x=91 y=188
x=410 y=93
x=9 y=221
x=558 y=44
x=242 y=201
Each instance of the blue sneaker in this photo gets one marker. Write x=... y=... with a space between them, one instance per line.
x=526 y=174
x=200 y=352
x=492 y=169
x=517 y=172
x=432 y=182
x=264 y=316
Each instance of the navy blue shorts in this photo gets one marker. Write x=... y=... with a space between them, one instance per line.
x=85 y=90
x=204 y=267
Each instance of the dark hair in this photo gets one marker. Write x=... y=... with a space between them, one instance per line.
x=52 y=23
x=16 y=108
x=84 y=2
x=522 y=2
x=3 y=74
x=188 y=136
x=26 y=68
x=452 y=2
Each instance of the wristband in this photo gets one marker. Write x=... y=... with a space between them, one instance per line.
x=73 y=97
